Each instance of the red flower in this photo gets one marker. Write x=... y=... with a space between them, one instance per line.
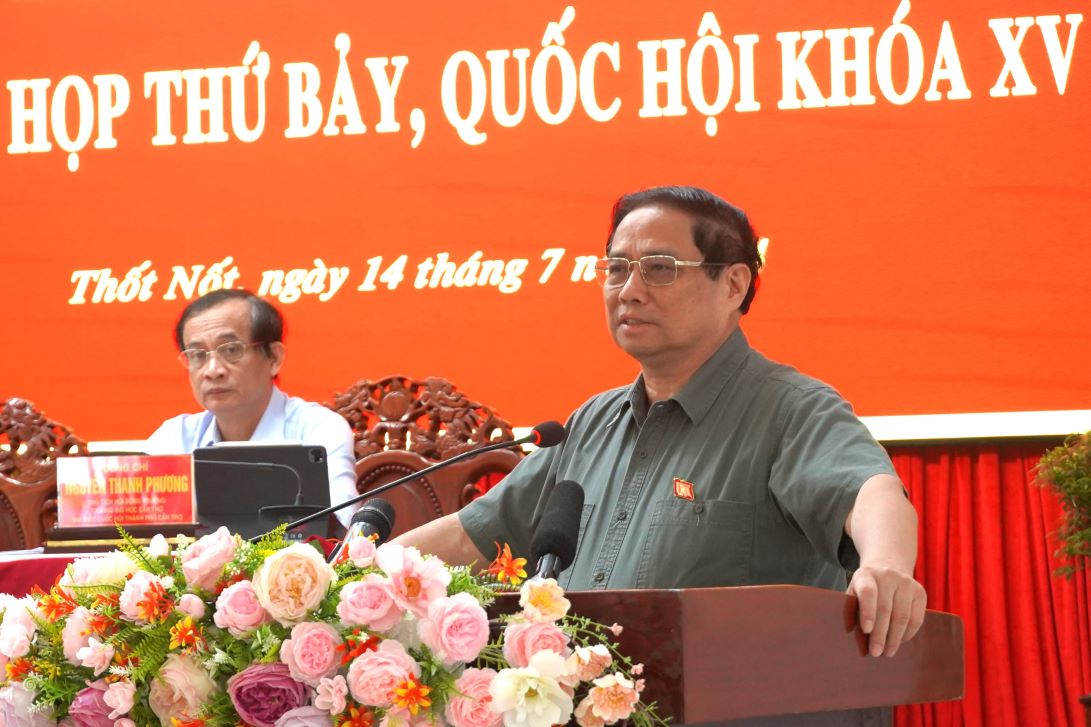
x=156 y=604
x=356 y=644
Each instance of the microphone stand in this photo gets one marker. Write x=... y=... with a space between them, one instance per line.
x=403 y=480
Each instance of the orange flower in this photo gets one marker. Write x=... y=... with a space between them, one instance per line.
x=355 y=644
x=56 y=605
x=184 y=635
x=507 y=568
x=18 y=669
x=106 y=601
x=156 y=604
x=356 y=716
x=412 y=695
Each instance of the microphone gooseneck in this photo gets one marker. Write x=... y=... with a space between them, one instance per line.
x=546 y=434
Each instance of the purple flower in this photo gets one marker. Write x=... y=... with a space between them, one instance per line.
x=89 y=708
x=305 y=717
x=262 y=693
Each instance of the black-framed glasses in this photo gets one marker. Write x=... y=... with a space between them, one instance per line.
x=612 y=272
x=231 y=352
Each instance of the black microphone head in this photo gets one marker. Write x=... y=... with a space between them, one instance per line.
x=558 y=531
x=549 y=434
x=377 y=513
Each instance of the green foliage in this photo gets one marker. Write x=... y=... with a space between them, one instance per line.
x=150 y=645
x=139 y=554
x=143 y=715
x=483 y=587
x=58 y=692
x=251 y=555
x=219 y=712
x=1067 y=469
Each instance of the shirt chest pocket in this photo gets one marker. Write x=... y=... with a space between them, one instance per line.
x=696 y=544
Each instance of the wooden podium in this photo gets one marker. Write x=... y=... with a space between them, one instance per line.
x=718 y=654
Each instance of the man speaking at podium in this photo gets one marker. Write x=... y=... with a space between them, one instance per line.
x=717 y=466
x=232 y=344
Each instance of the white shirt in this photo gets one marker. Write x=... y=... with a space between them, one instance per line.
x=286 y=419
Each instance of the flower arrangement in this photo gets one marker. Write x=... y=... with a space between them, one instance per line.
x=225 y=632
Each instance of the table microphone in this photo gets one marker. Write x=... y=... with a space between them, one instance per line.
x=376 y=517
x=546 y=434
x=553 y=546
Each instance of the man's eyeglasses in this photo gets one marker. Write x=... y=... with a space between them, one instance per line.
x=612 y=272
x=231 y=352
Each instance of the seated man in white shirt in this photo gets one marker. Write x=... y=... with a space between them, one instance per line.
x=231 y=342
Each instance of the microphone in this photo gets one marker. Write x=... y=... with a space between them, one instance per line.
x=546 y=434
x=376 y=517
x=553 y=547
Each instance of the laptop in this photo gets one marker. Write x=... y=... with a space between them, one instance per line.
x=252 y=488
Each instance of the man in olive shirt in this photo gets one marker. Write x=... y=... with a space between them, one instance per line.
x=717 y=467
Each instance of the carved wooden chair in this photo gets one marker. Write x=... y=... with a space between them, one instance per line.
x=404 y=425
x=29 y=447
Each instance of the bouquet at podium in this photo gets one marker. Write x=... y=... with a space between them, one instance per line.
x=225 y=632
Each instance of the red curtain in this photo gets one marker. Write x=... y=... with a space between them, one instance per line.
x=987 y=554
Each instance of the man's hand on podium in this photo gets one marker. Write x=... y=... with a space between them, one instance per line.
x=891 y=607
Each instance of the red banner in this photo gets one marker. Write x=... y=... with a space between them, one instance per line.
x=420 y=187
x=108 y=491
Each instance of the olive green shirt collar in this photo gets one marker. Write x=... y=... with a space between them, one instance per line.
x=704 y=386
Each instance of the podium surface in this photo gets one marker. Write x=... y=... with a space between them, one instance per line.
x=718 y=654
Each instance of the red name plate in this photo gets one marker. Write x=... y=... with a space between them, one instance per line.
x=130 y=490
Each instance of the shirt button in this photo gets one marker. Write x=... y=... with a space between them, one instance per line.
x=622 y=515
x=643 y=454
x=600 y=577
x=699 y=509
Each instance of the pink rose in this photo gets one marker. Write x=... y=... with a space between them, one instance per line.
x=470 y=704
x=96 y=656
x=124 y=722
x=192 y=606
x=524 y=640
x=369 y=602
x=415 y=581
x=331 y=693
x=89 y=708
x=110 y=569
x=203 y=562
x=158 y=547
x=305 y=717
x=17 y=612
x=119 y=697
x=456 y=629
x=14 y=640
x=180 y=689
x=74 y=635
x=361 y=552
x=15 y=708
x=292 y=582
x=612 y=698
x=374 y=675
x=238 y=609
x=262 y=693
x=136 y=590
x=311 y=652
